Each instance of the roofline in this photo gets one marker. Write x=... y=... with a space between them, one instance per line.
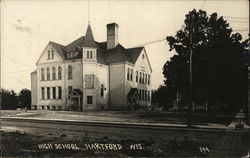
x=148 y=60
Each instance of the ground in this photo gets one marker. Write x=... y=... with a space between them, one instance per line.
x=127 y=116
x=20 y=138
x=24 y=144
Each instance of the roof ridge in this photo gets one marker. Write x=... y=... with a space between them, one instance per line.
x=56 y=43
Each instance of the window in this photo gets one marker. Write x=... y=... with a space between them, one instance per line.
x=89 y=99
x=69 y=90
x=59 y=92
x=70 y=72
x=72 y=54
x=143 y=56
x=48 y=54
x=59 y=73
x=128 y=74
x=148 y=79
x=102 y=90
x=54 y=92
x=131 y=75
x=148 y=95
x=52 y=54
x=48 y=92
x=139 y=94
x=89 y=81
x=42 y=74
x=140 y=78
x=42 y=92
x=48 y=107
x=42 y=107
x=53 y=73
x=48 y=74
x=136 y=77
x=89 y=54
x=68 y=55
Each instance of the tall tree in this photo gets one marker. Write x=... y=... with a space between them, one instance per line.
x=24 y=98
x=8 y=99
x=219 y=61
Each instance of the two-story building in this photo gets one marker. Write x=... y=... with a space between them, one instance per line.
x=86 y=74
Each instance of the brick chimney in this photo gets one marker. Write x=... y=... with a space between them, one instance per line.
x=112 y=35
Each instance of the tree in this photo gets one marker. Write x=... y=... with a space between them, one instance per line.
x=219 y=62
x=8 y=99
x=24 y=98
x=163 y=96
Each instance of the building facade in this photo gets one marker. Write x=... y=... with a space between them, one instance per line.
x=86 y=74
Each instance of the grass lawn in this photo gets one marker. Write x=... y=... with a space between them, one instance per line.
x=18 y=144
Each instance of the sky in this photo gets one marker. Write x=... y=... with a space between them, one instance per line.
x=27 y=27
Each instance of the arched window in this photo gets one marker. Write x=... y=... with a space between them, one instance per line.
x=48 y=74
x=128 y=74
x=131 y=75
x=42 y=74
x=102 y=90
x=59 y=73
x=136 y=77
x=70 y=72
x=53 y=73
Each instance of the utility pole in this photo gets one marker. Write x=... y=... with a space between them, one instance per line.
x=190 y=70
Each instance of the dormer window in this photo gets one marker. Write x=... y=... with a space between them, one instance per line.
x=89 y=54
x=71 y=54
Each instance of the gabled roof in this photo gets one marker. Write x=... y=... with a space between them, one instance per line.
x=134 y=53
x=75 y=92
x=58 y=48
x=132 y=92
x=72 y=46
x=118 y=54
x=104 y=56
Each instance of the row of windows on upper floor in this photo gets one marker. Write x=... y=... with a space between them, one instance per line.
x=141 y=77
x=89 y=54
x=59 y=73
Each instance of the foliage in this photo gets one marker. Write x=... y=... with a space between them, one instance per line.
x=159 y=96
x=24 y=98
x=8 y=99
x=219 y=62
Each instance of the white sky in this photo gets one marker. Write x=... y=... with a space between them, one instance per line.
x=27 y=26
